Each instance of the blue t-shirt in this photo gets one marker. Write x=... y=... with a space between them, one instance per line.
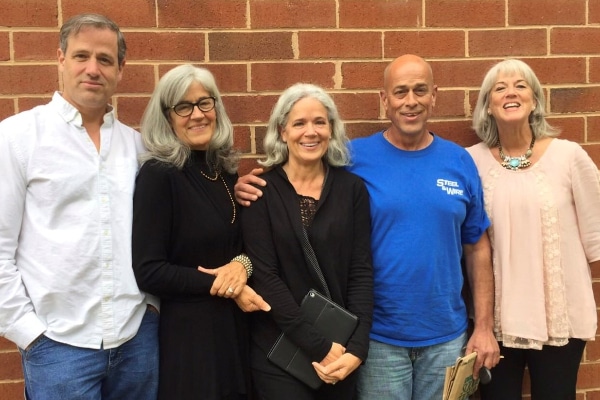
x=425 y=205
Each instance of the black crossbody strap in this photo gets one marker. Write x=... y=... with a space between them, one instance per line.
x=311 y=258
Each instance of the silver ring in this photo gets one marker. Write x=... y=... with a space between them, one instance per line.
x=230 y=290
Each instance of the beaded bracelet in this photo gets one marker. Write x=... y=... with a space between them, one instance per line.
x=245 y=261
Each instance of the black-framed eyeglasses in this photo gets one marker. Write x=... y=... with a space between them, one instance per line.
x=186 y=108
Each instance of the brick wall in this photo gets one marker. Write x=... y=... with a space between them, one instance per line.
x=256 y=48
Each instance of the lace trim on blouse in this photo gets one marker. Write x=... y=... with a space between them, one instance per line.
x=308 y=208
x=554 y=286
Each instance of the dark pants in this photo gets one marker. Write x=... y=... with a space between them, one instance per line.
x=272 y=383
x=553 y=373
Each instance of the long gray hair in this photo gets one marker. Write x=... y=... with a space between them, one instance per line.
x=276 y=149
x=485 y=125
x=160 y=139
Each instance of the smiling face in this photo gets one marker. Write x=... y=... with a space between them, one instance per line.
x=197 y=129
x=307 y=131
x=511 y=99
x=409 y=95
x=90 y=69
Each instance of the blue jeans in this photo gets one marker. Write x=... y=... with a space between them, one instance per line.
x=57 y=371
x=404 y=373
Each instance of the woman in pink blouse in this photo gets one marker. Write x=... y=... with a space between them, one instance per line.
x=542 y=195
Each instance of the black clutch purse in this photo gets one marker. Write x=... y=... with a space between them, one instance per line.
x=332 y=321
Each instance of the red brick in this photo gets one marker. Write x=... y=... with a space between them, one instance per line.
x=229 y=77
x=364 y=129
x=249 y=109
x=594 y=70
x=136 y=13
x=575 y=100
x=460 y=73
x=242 y=139
x=35 y=46
x=131 y=109
x=541 y=12
x=259 y=136
x=165 y=46
x=507 y=42
x=4 y=46
x=254 y=46
x=592 y=350
x=136 y=79
x=29 y=13
x=424 y=43
x=328 y=44
x=202 y=14
x=380 y=14
x=363 y=75
x=464 y=13
x=292 y=14
x=594 y=151
x=28 y=79
x=357 y=105
x=247 y=164
x=12 y=390
x=7 y=108
x=278 y=76
x=459 y=131
x=575 y=40
x=593 y=135
x=595 y=284
x=450 y=103
x=592 y=395
x=10 y=366
x=6 y=344
x=594 y=12
x=27 y=103
x=558 y=70
x=571 y=128
x=588 y=376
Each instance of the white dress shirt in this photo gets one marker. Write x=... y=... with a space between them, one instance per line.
x=65 y=229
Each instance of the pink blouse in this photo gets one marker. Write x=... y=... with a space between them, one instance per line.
x=545 y=231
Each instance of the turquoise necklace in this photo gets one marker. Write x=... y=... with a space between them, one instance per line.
x=516 y=163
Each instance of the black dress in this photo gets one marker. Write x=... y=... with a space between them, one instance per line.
x=340 y=236
x=182 y=220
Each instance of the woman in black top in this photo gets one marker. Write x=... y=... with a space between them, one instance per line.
x=187 y=241
x=308 y=190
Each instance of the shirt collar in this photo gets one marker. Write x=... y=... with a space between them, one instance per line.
x=71 y=115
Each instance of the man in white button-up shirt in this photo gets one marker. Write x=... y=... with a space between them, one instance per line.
x=68 y=296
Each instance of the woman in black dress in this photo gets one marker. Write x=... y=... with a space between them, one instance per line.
x=309 y=196
x=187 y=242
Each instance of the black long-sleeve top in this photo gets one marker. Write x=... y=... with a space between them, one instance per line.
x=340 y=237
x=182 y=220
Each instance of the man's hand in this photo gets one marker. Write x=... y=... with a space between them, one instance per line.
x=245 y=192
x=488 y=352
x=248 y=301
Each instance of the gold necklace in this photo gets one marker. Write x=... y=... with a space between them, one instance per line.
x=516 y=163
x=218 y=175
x=208 y=177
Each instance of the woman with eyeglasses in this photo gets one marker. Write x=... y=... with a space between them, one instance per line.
x=187 y=241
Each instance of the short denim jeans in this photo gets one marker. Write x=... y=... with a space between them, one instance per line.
x=57 y=371
x=404 y=373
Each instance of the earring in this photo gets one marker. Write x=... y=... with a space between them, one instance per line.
x=533 y=109
x=489 y=112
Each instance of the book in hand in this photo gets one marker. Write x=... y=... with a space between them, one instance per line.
x=459 y=383
x=331 y=320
